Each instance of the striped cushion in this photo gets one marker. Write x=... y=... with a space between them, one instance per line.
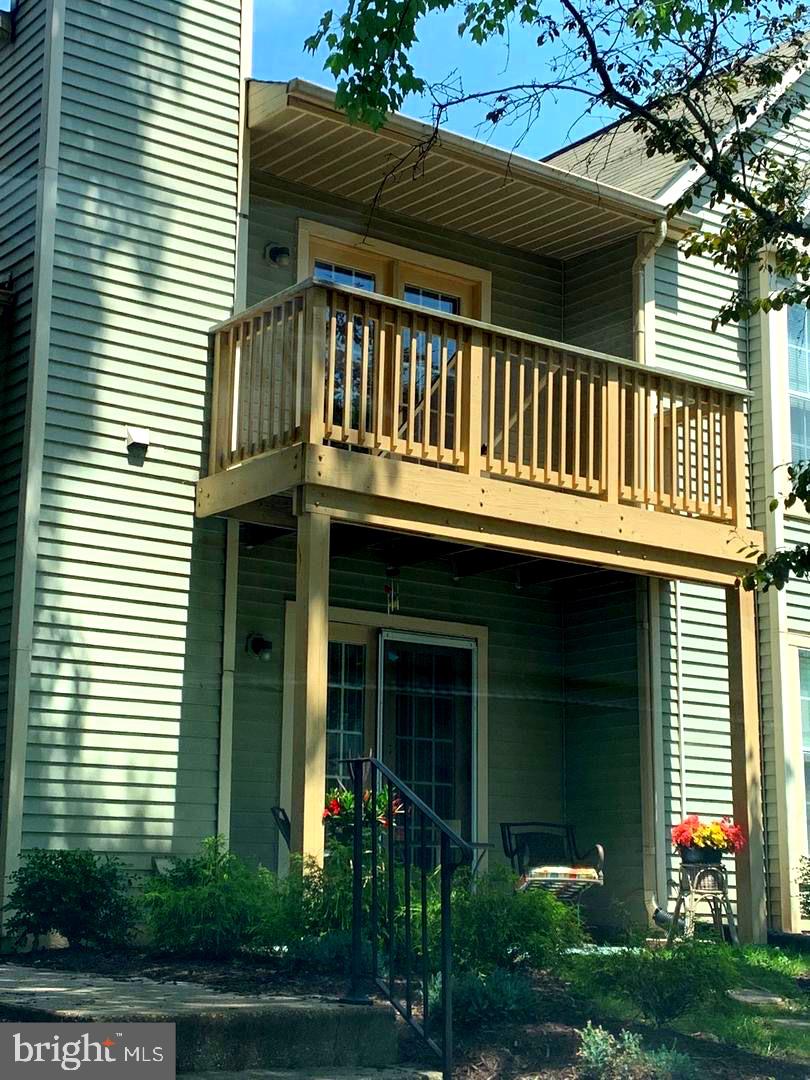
x=584 y=874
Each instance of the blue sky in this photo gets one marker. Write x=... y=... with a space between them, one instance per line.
x=282 y=25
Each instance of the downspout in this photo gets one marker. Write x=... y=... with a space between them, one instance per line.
x=647 y=243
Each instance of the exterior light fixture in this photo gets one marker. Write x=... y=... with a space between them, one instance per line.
x=259 y=647
x=277 y=255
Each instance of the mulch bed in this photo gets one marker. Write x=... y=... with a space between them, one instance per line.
x=544 y=1049
x=239 y=976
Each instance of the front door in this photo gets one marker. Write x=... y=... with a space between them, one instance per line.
x=426 y=719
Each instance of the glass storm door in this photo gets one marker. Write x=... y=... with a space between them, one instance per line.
x=426 y=719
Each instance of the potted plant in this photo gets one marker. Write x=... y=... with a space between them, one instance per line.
x=338 y=813
x=706 y=842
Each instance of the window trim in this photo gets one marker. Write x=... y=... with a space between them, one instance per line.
x=799 y=395
x=480 y=279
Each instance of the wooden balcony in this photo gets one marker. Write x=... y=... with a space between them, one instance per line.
x=397 y=416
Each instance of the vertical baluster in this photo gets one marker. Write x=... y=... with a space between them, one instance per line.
x=577 y=430
x=413 y=359
x=442 y=436
x=423 y=847
x=407 y=856
x=224 y=351
x=521 y=409
x=446 y=963
x=396 y=410
x=590 y=427
x=725 y=429
x=391 y=918
x=493 y=372
x=348 y=367
x=659 y=441
x=320 y=327
x=273 y=379
x=699 y=471
x=461 y=394
x=265 y=340
x=507 y=391
x=637 y=436
x=375 y=875
x=380 y=376
x=331 y=364
x=674 y=456
x=712 y=421
x=244 y=363
x=604 y=430
x=687 y=450
x=535 y=413
x=364 y=350
x=563 y=481
x=428 y=406
x=286 y=374
x=623 y=433
x=550 y=419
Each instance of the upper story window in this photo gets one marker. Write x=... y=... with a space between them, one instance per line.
x=344 y=275
x=799 y=381
x=436 y=301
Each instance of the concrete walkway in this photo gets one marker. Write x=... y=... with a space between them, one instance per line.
x=215 y=1031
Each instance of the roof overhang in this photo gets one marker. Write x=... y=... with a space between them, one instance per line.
x=462 y=184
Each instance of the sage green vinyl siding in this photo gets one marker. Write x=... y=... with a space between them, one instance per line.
x=695 y=705
x=602 y=735
x=126 y=667
x=526 y=290
x=695 y=709
x=598 y=300
x=688 y=294
x=525 y=662
x=21 y=88
x=797 y=531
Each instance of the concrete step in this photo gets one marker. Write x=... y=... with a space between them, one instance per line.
x=215 y=1031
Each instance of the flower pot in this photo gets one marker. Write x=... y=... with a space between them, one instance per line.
x=696 y=856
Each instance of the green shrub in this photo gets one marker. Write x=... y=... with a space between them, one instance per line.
x=659 y=984
x=804 y=887
x=81 y=895
x=495 y=997
x=214 y=904
x=603 y=1056
x=496 y=927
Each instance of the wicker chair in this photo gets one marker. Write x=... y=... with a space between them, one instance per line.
x=544 y=855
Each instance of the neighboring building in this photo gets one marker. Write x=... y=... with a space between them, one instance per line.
x=456 y=562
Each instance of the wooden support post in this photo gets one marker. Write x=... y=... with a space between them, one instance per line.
x=614 y=466
x=736 y=464
x=746 y=771
x=309 y=696
x=473 y=381
x=313 y=375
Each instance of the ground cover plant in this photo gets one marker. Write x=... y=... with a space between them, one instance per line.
x=604 y=1056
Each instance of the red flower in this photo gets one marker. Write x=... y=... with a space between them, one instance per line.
x=733 y=833
x=683 y=834
x=326 y=814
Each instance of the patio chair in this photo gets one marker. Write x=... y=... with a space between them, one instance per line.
x=544 y=855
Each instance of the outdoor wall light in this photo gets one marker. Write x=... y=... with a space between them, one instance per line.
x=259 y=647
x=277 y=255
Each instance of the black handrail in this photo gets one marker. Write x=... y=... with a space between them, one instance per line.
x=412 y=831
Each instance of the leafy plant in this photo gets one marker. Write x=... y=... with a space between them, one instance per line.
x=804 y=887
x=659 y=984
x=83 y=896
x=214 y=903
x=496 y=927
x=603 y=1056
x=497 y=996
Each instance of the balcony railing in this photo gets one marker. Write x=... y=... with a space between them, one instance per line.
x=378 y=376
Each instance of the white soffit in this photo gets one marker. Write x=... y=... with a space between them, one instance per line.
x=464 y=185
